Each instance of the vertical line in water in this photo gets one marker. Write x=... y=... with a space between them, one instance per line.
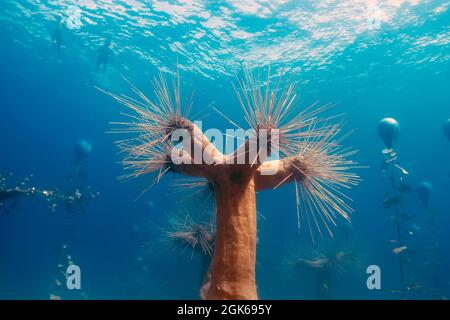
x=399 y=231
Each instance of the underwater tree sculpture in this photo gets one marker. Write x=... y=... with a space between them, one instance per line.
x=310 y=156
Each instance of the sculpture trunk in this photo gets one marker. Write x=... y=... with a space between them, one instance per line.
x=233 y=265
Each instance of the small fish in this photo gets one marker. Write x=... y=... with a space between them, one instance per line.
x=53 y=207
x=54 y=297
x=396 y=291
x=414 y=286
x=399 y=250
x=392 y=241
x=391 y=160
x=413 y=229
x=402 y=170
x=57 y=282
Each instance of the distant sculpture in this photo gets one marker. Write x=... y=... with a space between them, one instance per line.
x=424 y=191
x=388 y=130
x=325 y=260
x=82 y=150
x=104 y=56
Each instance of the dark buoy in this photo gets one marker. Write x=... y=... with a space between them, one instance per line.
x=424 y=191
x=82 y=150
x=388 y=130
x=447 y=129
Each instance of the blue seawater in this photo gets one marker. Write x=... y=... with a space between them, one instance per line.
x=372 y=59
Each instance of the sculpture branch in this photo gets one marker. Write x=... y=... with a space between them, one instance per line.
x=198 y=157
x=275 y=173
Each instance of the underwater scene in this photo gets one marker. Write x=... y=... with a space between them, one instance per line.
x=225 y=150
